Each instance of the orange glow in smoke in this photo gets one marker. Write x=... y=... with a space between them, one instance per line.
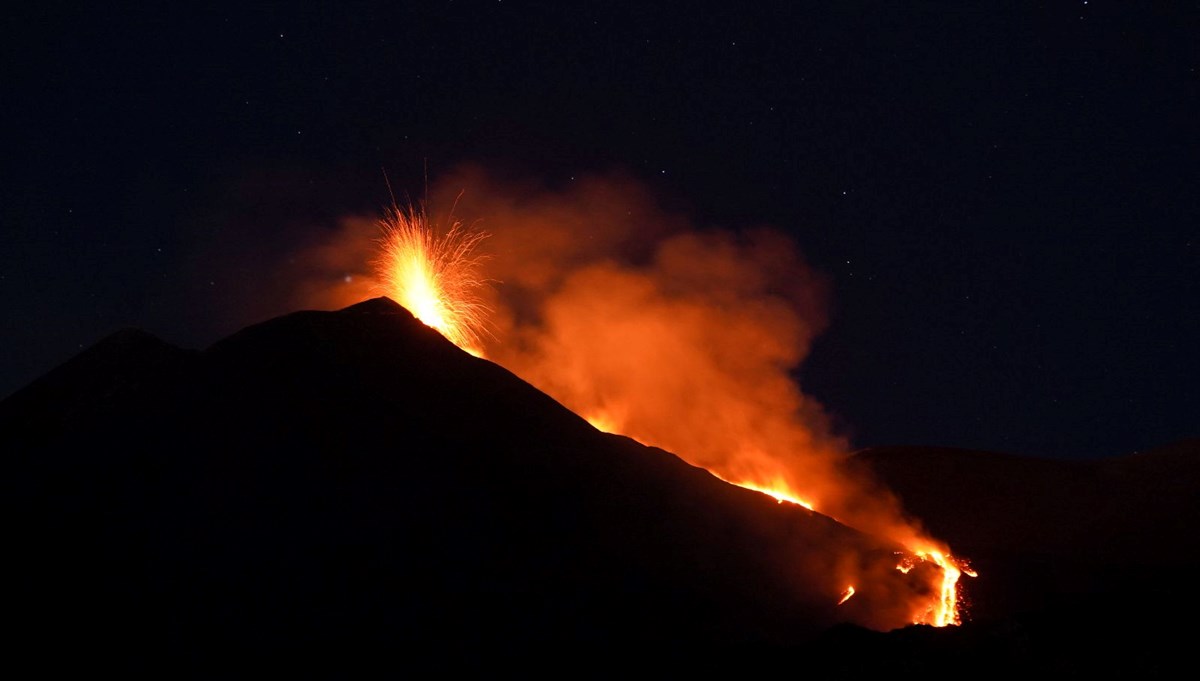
x=604 y=420
x=687 y=353
x=437 y=278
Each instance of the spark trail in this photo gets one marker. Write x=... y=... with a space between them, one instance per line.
x=437 y=278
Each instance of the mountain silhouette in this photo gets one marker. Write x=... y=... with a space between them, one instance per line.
x=327 y=493
x=349 y=485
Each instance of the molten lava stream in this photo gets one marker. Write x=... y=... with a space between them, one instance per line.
x=943 y=611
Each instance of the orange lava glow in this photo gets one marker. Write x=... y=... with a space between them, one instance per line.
x=846 y=595
x=436 y=278
x=774 y=491
x=942 y=611
x=687 y=351
x=604 y=421
x=945 y=610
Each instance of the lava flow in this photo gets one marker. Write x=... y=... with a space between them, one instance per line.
x=943 y=609
x=846 y=595
x=670 y=354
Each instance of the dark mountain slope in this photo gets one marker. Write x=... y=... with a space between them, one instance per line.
x=346 y=487
x=329 y=493
x=106 y=372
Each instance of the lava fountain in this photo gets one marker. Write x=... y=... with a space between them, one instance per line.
x=437 y=278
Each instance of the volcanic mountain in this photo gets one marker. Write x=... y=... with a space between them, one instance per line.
x=332 y=491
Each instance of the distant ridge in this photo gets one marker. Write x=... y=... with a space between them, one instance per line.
x=108 y=370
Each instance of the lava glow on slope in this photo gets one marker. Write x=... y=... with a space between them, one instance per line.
x=943 y=610
x=776 y=491
x=439 y=279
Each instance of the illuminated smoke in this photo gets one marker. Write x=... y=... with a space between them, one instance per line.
x=683 y=338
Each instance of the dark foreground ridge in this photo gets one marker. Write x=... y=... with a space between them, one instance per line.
x=333 y=487
x=335 y=492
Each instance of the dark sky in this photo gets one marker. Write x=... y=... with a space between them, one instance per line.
x=1003 y=195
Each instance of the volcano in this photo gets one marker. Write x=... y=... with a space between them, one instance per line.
x=338 y=491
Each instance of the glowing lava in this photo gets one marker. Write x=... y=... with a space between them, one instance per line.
x=604 y=420
x=945 y=610
x=439 y=280
x=941 y=612
x=774 y=491
x=436 y=278
x=846 y=595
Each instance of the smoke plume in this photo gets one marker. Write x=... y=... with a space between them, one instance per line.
x=682 y=337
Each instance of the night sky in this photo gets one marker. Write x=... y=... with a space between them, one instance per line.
x=1003 y=196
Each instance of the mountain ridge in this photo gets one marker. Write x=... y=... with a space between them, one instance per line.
x=349 y=484
x=357 y=463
